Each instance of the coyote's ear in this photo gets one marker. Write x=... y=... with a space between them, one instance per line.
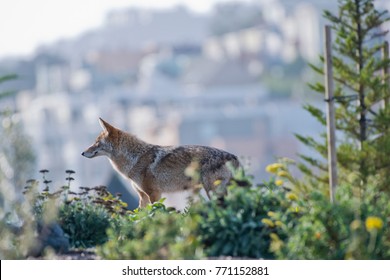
x=105 y=125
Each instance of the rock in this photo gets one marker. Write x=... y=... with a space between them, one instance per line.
x=53 y=236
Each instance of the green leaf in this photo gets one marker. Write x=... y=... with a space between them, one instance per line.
x=315 y=112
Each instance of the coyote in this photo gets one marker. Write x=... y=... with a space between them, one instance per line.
x=155 y=169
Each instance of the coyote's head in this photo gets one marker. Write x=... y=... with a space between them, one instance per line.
x=103 y=144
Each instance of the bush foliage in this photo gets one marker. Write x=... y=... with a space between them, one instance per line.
x=156 y=232
x=279 y=219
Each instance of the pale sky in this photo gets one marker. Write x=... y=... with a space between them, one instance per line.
x=25 y=24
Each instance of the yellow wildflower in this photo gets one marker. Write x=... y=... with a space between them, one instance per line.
x=217 y=182
x=268 y=222
x=269 y=169
x=273 y=168
x=373 y=223
x=317 y=235
x=279 y=224
x=279 y=182
x=295 y=209
x=356 y=224
x=291 y=196
x=282 y=173
x=271 y=213
x=274 y=236
x=276 y=243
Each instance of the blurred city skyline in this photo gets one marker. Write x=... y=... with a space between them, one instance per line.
x=47 y=21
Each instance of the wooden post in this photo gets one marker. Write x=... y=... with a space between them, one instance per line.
x=330 y=115
x=385 y=74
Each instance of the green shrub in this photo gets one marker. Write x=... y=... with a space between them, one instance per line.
x=155 y=232
x=352 y=228
x=84 y=216
x=244 y=222
x=85 y=223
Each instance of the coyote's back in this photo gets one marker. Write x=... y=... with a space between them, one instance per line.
x=155 y=169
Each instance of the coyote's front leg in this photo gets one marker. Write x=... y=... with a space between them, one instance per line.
x=144 y=199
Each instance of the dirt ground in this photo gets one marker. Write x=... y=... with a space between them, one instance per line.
x=74 y=254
